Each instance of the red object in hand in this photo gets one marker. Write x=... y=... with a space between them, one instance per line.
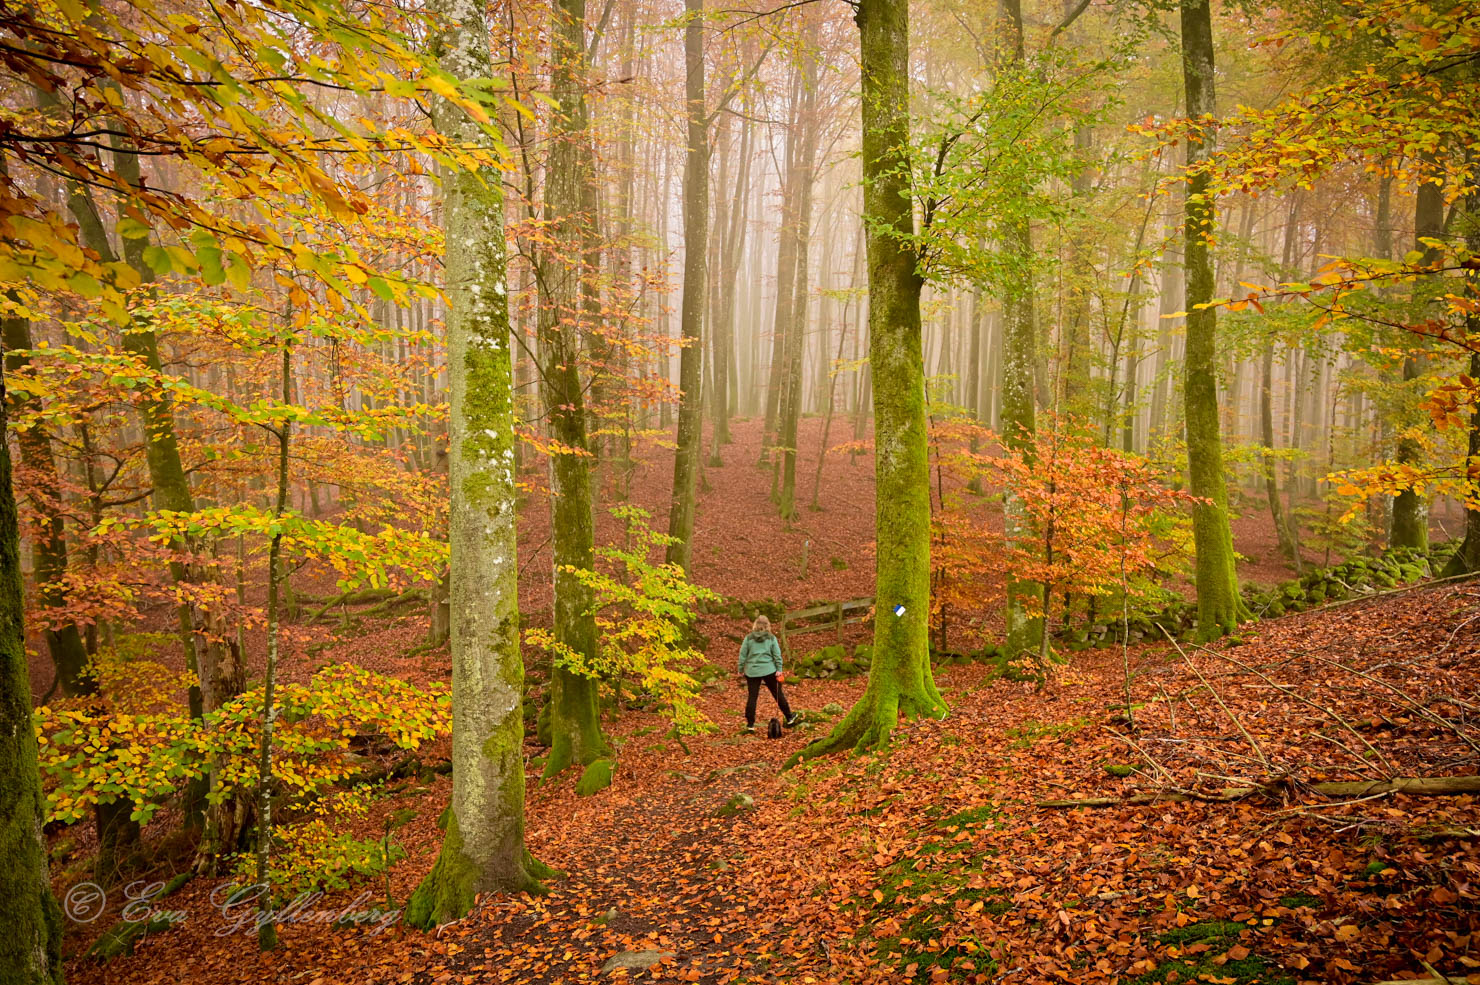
x=780 y=677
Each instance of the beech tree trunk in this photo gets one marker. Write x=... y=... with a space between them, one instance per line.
x=1283 y=528
x=1219 y=607
x=483 y=846
x=1410 y=519
x=565 y=272
x=64 y=642
x=1018 y=424
x=31 y=947
x=900 y=680
x=691 y=307
x=786 y=276
x=266 y=927
x=1467 y=557
x=801 y=218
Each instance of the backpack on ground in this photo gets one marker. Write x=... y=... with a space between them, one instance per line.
x=773 y=729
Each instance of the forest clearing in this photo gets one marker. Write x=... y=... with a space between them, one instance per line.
x=825 y=492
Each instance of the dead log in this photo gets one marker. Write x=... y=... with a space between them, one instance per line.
x=360 y=597
x=1418 y=786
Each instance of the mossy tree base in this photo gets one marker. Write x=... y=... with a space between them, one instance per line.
x=596 y=777
x=871 y=721
x=448 y=892
x=575 y=726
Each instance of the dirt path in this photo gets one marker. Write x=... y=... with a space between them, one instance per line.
x=651 y=865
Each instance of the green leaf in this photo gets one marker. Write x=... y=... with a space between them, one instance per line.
x=130 y=228
x=380 y=288
x=211 y=270
x=239 y=272
x=158 y=260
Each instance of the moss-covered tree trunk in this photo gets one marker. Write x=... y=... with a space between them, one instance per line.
x=31 y=946
x=1410 y=515
x=64 y=643
x=118 y=832
x=1467 y=558
x=483 y=846
x=1019 y=425
x=805 y=166
x=691 y=308
x=565 y=272
x=1024 y=632
x=900 y=680
x=1219 y=607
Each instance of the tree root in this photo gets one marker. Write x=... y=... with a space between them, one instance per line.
x=869 y=724
x=1419 y=786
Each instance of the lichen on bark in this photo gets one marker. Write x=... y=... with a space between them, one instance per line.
x=483 y=849
x=1219 y=606
x=30 y=948
x=900 y=679
x=565 y=272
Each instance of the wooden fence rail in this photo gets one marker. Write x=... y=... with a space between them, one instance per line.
x=830 y=615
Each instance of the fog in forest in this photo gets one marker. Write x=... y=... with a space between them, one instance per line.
x=818 y=491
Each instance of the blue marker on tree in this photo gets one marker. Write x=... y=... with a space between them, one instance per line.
x=899 y=609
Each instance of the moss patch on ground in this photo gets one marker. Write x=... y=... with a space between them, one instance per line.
x=1210 y=951
x=914 y=916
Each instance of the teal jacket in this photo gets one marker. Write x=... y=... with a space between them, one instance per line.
x=760 y=655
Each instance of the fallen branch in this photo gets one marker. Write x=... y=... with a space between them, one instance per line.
x=359 y=597
x=1418 y=786
x=1253 y=743
x=408 y=596
x=387 y=599
x=1435 y=978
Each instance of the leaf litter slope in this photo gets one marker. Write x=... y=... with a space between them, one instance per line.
x=932 y=862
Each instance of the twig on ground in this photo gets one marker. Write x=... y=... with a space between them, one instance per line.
x=1264 y=760
x=1392 y=770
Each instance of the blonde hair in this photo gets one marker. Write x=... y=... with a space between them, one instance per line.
x=761 y=625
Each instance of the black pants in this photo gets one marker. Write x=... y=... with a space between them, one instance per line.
x=753 y=690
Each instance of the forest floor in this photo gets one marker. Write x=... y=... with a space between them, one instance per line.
x=932 y=861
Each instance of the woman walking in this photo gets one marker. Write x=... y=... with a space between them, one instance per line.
x=760 y=663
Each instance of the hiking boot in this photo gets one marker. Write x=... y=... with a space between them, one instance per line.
x=793 y=720
x=749 y=730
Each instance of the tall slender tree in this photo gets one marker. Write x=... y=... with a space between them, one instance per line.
x=1024 y=632
x=900 y=680
x=1467 y=557
x=64 y=643
x=565 y=273
x=691 y=308
x=483 y=845
x=1219 y=607
x=804 y=166
x=786 y=270
x=723 y=329
x=31 y=947
x=1410 y=516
